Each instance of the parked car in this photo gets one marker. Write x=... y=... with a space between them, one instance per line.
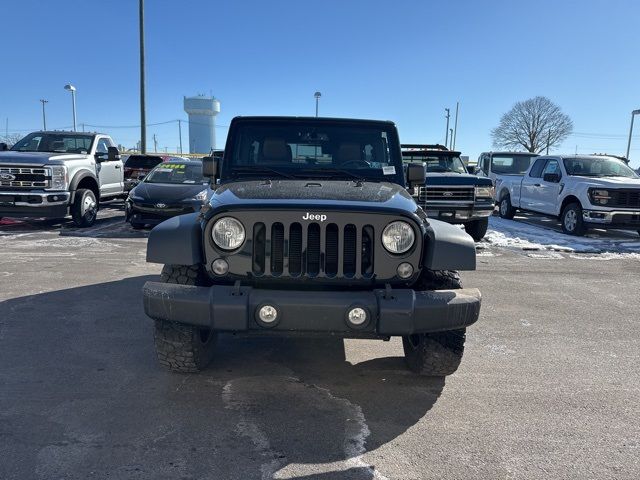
x=450 y=193
x=171 y=188
x=311 y=231
x=137 y=166
x=582 y=191
x=52 y=174
x=498 y=164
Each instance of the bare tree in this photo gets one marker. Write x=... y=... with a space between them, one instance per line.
x=11 y=138
x=535 y=125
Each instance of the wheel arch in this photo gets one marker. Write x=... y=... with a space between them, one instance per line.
x=566 y=201
x=84 y=179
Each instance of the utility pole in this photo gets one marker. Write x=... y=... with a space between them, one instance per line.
x=633 y=114
x=44 y=115
x=450 y=139
x=143 y=119
x=455 y=127
x=446 y=132
x=180 y=133
x=155 y=143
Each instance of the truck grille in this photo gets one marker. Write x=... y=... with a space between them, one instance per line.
x=24 y=177
x=312 y=250
x=432 y=194
x=625 y=198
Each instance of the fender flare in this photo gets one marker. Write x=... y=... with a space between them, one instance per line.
x=82 y=174
x=176 y=241
x=448 y=247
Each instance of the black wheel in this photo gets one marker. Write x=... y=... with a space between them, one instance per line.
x=571 y=219
x=477 y=229
x=438 y=353
x=505 y=208
x=84 y=209
x=180 y=347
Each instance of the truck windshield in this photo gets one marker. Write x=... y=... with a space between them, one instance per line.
x=437 y=163
x=54 y=142
x=511 y=164
x=308 y=149
x=176 y=173
x=597 y=167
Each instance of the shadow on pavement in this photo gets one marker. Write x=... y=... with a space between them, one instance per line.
x=83 y=395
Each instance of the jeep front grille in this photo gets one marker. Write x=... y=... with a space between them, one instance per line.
x=24 y=177
x=440 y=194
x=312 y=249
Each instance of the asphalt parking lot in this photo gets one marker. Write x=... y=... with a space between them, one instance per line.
x=549 y=386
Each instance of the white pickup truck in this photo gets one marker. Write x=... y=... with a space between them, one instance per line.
x=582 y=191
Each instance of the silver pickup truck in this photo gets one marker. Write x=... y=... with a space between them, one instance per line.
x=55 y=174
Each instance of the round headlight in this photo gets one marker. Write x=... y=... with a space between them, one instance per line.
x=398 y=237
x=227 y=233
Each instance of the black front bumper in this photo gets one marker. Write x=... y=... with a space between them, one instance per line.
x=389 y=312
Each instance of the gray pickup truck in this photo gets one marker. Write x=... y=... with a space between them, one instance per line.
x=55 y=174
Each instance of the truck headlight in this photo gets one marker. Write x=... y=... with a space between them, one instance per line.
x=600 y=197
x=59 y=178
x=484 y=192
x=228 y=233
x=398 y=237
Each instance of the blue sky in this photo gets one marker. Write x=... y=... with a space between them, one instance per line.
x=404 y=61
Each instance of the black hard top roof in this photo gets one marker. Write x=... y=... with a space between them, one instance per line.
x=310 y=119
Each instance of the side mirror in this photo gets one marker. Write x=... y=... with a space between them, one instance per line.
x=210 y=167
x=416 y=174
x=3 y=147
x=112 y=154
x=551 y=177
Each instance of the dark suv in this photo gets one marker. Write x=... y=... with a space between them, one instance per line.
x=450 y=193
x=311 y=231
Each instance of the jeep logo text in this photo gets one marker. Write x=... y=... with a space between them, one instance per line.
x=314 y=216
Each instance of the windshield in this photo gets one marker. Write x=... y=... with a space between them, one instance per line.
x=176 y=173
x=511 y=164
x=436 y=163
x=597 y=167
x=309 y=149
x=54 y=142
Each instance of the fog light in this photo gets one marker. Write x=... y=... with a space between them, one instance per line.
x=268 y=314
x=405 y=270
x=357 y=316
x=220 y=266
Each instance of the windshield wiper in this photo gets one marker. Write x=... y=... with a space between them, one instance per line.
x=262 y=169
x=330 y=172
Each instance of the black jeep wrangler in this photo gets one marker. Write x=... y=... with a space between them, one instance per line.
x=311 y=231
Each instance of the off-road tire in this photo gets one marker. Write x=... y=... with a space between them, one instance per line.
x=179 y=347
x=477 y=229
x=575 y=227
x=84 y=216
x=505 y=209
x=438 y=353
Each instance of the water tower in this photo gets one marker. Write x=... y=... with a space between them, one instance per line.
x=202 y=111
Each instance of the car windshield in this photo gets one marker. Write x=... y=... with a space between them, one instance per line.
x=54 y=142
x=598 y=167
x=176 y=173
x=511 y=164
x=436 y=163
x=309 y=149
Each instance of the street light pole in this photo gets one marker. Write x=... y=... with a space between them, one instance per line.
x=180 y=133
x=317 y=96
x=633 y=114
x=44 y=116
x=446 y=132
x=72 y=89
x=143 y=119
x=450 y=139
x=455 y=127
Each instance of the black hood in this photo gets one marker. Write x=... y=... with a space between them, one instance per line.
x=450 y=178
x=167 y=192
x=303 y=194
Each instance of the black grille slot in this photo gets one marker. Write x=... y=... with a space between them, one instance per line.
x=350 y=250
x=313 y=249
x=331 y=250
x=367 y=251
x=277 y=248
x=258 y=248
x=295 y=249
